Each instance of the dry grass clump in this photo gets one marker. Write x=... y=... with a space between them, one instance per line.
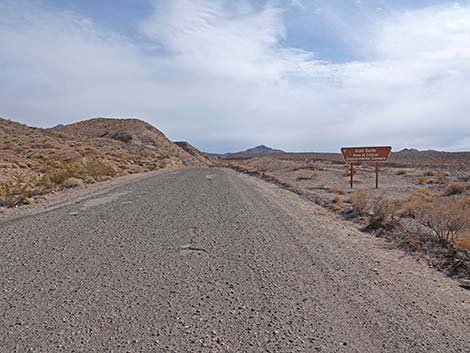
x=72 y=182
x=385 y=212
x=337 y=190
x=422 y=180
x=96 y=169
x=359 y=202
x=417 y=199
x=15 y=192
x=305 y=166
x=236 y=165
x=441 y=177
x=463 y=241
x=455 y=188
x=378 y=211
x=337 y=199
x=55 y=174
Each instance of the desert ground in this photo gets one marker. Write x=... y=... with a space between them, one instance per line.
x=422 y=204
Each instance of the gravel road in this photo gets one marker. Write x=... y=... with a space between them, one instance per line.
x=207 y=260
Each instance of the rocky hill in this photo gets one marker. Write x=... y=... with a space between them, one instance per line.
x=193 y=151
x=87 y=151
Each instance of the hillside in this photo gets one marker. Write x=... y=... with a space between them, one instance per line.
x=87 y=151
x=193 y=151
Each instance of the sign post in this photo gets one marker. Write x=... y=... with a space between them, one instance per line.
x=366 y=154
x=376 y=175
x=352 y=174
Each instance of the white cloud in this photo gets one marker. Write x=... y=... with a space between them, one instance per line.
x=224 y=75
x=214 y=38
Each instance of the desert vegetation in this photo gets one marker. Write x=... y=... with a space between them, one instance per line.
x=53 y=175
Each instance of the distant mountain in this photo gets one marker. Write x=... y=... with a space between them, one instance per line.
x=262 y=149
x=409 y=150
x=251 y=152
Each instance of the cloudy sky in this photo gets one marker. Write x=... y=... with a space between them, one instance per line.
x=225 y=75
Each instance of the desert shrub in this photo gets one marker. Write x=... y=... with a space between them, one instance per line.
x=359 y=202
x=96 y=169
x=150 y=166
x=103 y=178
x=337 y=190
x=16 y=191
x=68 y=174
x=72 y=182
x=89 y=180
x=424 y=195
x=455 y=188
x=24 y=192
x=57 y=172
x=417 y=199
x=58 y=176
x=337 y=199
x=304 y=166
x=384 y=212
x=465 y=201
x=421 y=180
x=7 y=196
x=441 y=177
x=444 y=218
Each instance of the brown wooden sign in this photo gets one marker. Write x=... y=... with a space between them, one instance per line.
x=366 y=154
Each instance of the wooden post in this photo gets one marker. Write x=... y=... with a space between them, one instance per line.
x=352 y=174
x=376 y=175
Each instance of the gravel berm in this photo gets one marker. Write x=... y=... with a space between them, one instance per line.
x=208 y=260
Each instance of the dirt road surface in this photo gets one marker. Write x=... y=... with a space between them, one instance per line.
x=207 y=260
